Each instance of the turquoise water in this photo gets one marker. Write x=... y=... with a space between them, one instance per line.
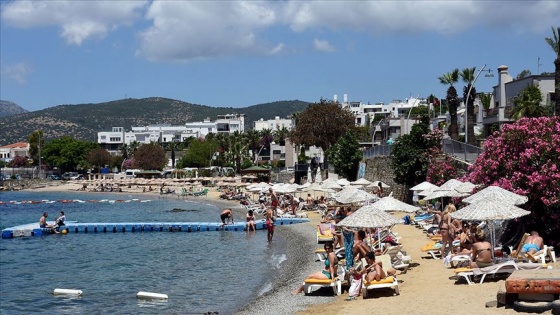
x=201 y=272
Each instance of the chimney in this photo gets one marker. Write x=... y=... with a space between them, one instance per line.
x=504 y=78
x=335 y=98
x=345 y=98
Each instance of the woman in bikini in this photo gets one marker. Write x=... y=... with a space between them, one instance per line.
x=331 y=266
x=373 y=270
x=481 y=251
x=446 y=228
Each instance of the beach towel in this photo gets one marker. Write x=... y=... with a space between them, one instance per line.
x=348 y=245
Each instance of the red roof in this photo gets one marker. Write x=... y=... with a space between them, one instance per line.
x=22 y=145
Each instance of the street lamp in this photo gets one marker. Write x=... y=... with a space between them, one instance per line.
x=469 y=96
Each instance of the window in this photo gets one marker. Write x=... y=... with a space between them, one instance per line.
x=115 y=139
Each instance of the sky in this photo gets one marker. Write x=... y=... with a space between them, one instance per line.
x=243 y=53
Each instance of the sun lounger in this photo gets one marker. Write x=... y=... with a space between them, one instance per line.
x=310 y=285
x=387 y=282
x=325 y=233
x=506 y=267
x=542 y=255
x=398 y=260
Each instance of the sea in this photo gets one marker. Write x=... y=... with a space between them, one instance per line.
x=207 y=272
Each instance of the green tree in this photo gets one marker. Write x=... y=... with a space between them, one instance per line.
x=345 y=155
x=280 y=135
x=419 y=111
x=150 y=157
x=467 y=75
x=99 y=157
x=409 y=155
x=36 y=140
x=523 y=74
x=67 y=153
x=321 y=124
x=199 y=154
x=528 y=103
x=554 y=43
x=486 y=100
x=452 y=101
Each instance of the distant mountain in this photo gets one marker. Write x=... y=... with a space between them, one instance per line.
x=85 y=120
x=8 y=108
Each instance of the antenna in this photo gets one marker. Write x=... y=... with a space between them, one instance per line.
x=539 y=64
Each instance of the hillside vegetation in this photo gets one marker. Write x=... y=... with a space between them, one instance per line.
x=85 y=120
x=8 y=108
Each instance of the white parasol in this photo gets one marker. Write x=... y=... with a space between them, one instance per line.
x=489 y=210
x=498 y=193
x=361 y=181
x=369 y=217
x=392 y=204
x=423 y=186
x=343 y=182
x=356 y=195
x=330 y=185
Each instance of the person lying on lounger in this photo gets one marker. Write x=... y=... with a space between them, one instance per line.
x=331 y=266
x=533 y=243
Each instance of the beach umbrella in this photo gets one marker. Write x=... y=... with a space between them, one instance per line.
x=498 y=193
x=330 y=185
x=369 y=217
x=392 y=204
x=466 y=187
x=343 y=182
x=356 y=195
x=447 y=190
x=423 y=186
x=490 y=209
x=360 y=181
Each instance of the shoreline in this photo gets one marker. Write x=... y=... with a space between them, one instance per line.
x=300 y=261
x=425 y=283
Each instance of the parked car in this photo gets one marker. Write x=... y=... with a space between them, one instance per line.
x=77 y=177
x=53 y=177
x=69 y=175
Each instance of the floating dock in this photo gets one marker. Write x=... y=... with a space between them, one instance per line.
x=33 y=229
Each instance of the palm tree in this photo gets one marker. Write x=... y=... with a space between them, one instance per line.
x=554 y=43
x=173 y=146
x=467 y=75
x=528 y=104
x=252 y=139
x=451 y=78
x=280 y=135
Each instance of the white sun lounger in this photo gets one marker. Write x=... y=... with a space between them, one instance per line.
x=501 y=268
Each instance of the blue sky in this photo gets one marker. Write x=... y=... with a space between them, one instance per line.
x=242 y=53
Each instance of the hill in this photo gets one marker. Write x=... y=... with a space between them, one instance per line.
x=8 y=108
x=85 y=120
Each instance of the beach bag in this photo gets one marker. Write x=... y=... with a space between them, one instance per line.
x=355 y=285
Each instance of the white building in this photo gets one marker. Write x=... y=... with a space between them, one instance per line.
x=272 y=124
x=112 y=140
x=10 y=151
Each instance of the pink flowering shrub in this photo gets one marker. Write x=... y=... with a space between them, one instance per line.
x=441 y=167
x=524 y=158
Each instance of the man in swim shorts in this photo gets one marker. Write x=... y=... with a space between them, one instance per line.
x=225 y=215
x=43 y=223
x=273 y=200
x=533 y=243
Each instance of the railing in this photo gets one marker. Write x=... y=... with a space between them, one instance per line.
x=378 y=150
x=462 y=151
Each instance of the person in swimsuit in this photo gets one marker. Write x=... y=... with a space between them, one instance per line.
x=331 y=266
x=43 y=223
x=533 y=243
x=360 y=248
x=481 y=251
x=227 y=214
x=373 y=270
x=446 y=228
x=269 y=223
x=250 y=221
x=273 y=200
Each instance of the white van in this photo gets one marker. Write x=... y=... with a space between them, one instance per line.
x=227 y=171
x=131 y=173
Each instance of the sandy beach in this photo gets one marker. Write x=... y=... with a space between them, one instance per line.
x=427 y=287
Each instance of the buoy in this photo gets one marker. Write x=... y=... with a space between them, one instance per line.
x=64 y=232
x=67 y=292
x=150 y=295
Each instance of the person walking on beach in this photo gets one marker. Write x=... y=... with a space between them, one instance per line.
x=226 y=216
x=269 y=223
x=43 y=223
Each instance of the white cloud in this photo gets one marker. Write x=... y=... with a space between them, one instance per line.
x=381 y=17
x=323 y=45
x=78 y=20
x=17 y=72
x=184 y=30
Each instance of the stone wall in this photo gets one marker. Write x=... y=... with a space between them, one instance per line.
x=13 y=184
x=379 y=168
